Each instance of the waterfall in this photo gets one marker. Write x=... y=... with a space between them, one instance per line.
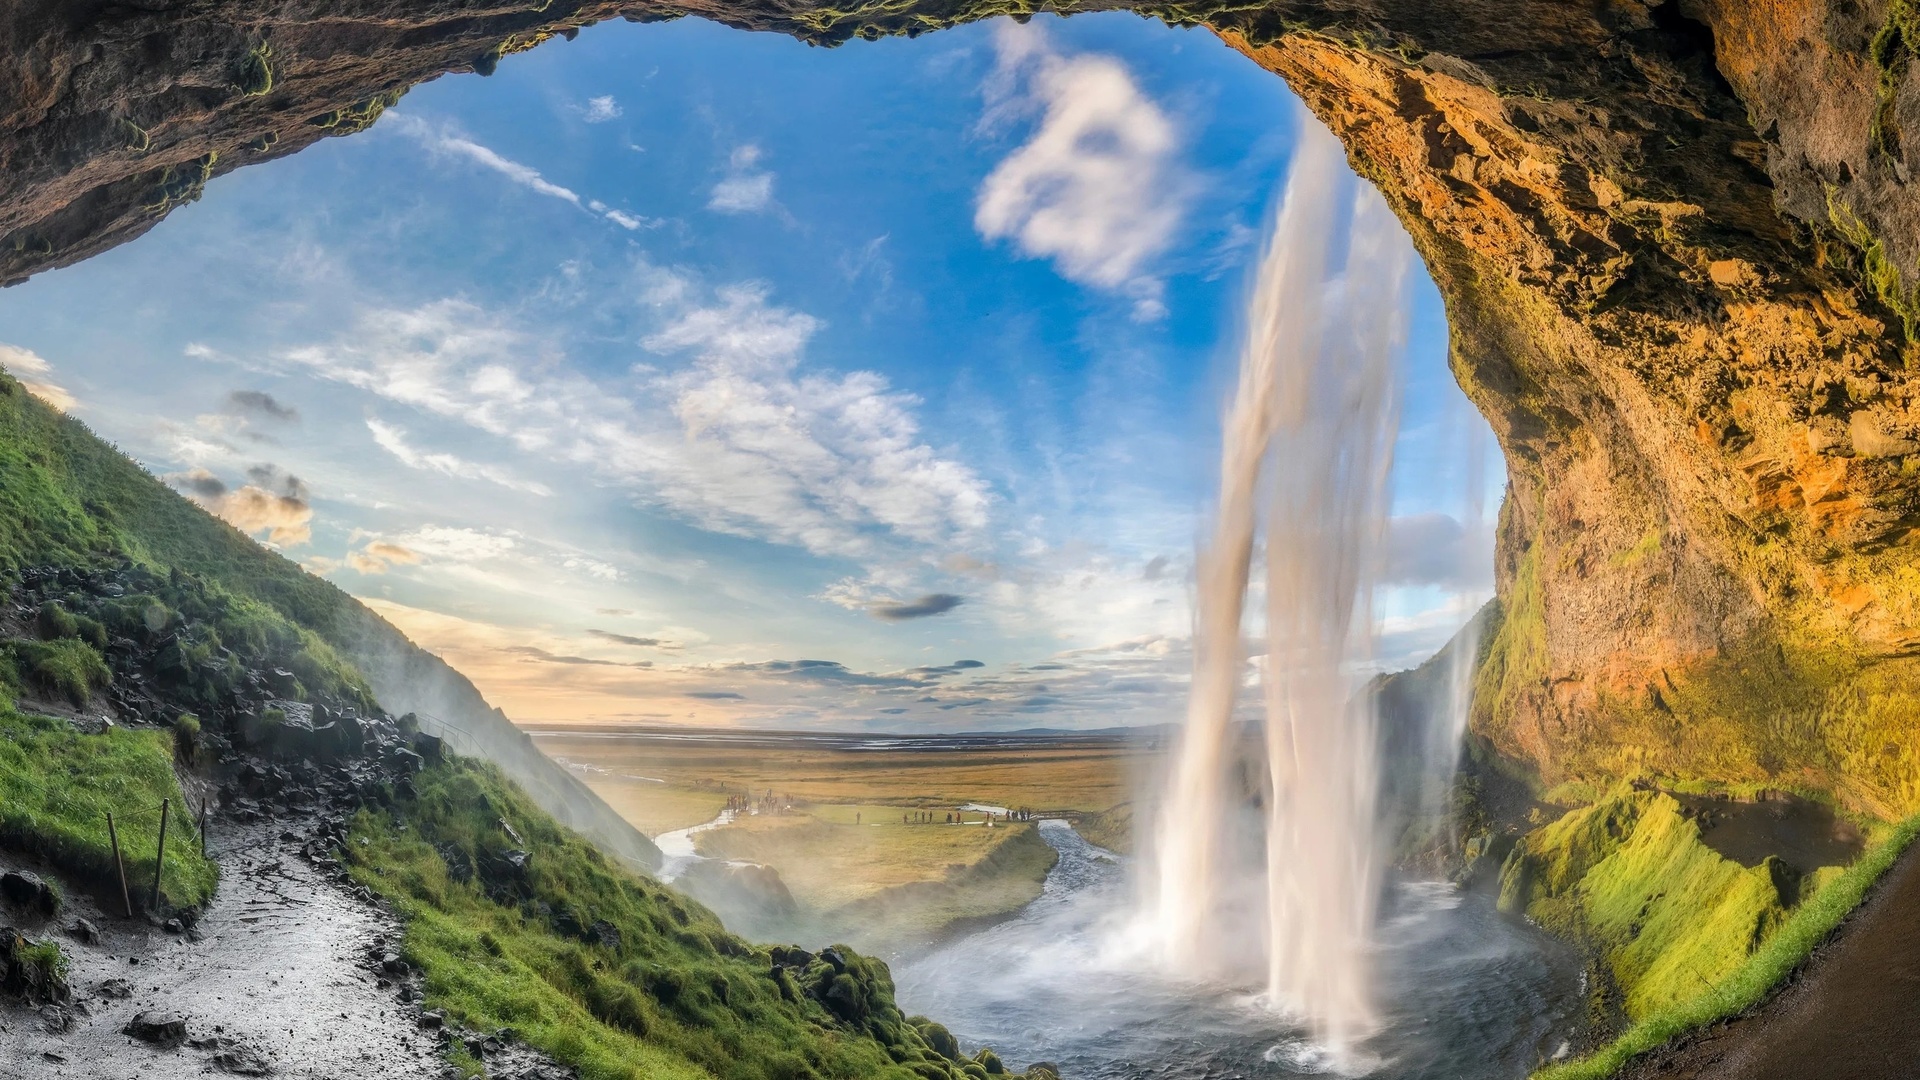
x=1307 y=444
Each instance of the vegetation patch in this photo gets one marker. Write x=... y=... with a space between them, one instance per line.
x=1877 y=267
x=1630 y=875
x=63 y=669
x=1515 y=657
x=1111 y=828
x=57 y=787
x=1756 y=977
x=517 y=923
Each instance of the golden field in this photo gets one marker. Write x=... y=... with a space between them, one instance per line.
x=839 y=842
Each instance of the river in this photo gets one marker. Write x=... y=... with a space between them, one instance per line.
x=1468 y=994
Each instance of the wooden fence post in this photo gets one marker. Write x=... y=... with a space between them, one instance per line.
x=119 y=864
x=203 y=826
x=160 y=860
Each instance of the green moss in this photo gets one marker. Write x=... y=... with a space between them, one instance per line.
x=69 y=499
x=1669 y=917
x=178 y=185
x=1877 y=267
x=675 y=995
x=1515 y=660
x=1643 y=549
x=358 y=116
x=254 y=74
x=1812 y=719
x=1834 y=893
x=1892 y=52
x=57 y=787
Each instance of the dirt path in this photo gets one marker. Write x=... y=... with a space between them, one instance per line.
x=278 y=971
x=1853 y=1013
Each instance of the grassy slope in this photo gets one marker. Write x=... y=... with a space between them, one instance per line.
x=1111 y=828
x=676 y=996
x=1630 y=875
x=57 y=786
x=68 y=498
x=880 y=881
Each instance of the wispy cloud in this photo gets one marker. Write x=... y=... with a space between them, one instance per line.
x=742 y=440
x=446 y=140
x=599 y=110
x=1098 y=187
x=636 y=642
x=747 y=188
x=394 y=441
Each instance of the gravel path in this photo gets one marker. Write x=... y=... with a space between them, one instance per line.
x=280 y=972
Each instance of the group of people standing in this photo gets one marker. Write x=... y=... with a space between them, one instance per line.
x=756 y=804
x=959 y=817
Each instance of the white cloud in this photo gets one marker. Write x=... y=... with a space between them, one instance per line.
x=394 y=441
x=25 y=362
x=601 y=109
x=456 y=544
x=745 y=190
x=1098 y=188
x=741 y=440
x=445 y=140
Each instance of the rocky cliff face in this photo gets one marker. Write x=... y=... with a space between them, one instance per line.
x=1678 y=243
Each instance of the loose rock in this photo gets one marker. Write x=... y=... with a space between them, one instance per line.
x=162 y=1029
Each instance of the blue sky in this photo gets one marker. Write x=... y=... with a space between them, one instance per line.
x=677 y=374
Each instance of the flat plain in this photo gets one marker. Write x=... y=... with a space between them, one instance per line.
x=883 y=838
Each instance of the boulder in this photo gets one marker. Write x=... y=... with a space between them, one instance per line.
x=160 y=1028
x=26 y=890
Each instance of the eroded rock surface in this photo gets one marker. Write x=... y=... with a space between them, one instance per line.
x=1677 y=241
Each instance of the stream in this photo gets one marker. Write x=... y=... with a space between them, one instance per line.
x=1467 y=994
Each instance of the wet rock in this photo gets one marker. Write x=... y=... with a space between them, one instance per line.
x=26 y=890
x=242 y=1061
x=55 y=1020
x=30 y=970
x=116 y=989
x=431 y=748
x=163 y=1029
x=84 y=932
x=233 y=1057
x=606 y=934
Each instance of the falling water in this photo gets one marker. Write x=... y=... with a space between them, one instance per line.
x=1308 y=439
